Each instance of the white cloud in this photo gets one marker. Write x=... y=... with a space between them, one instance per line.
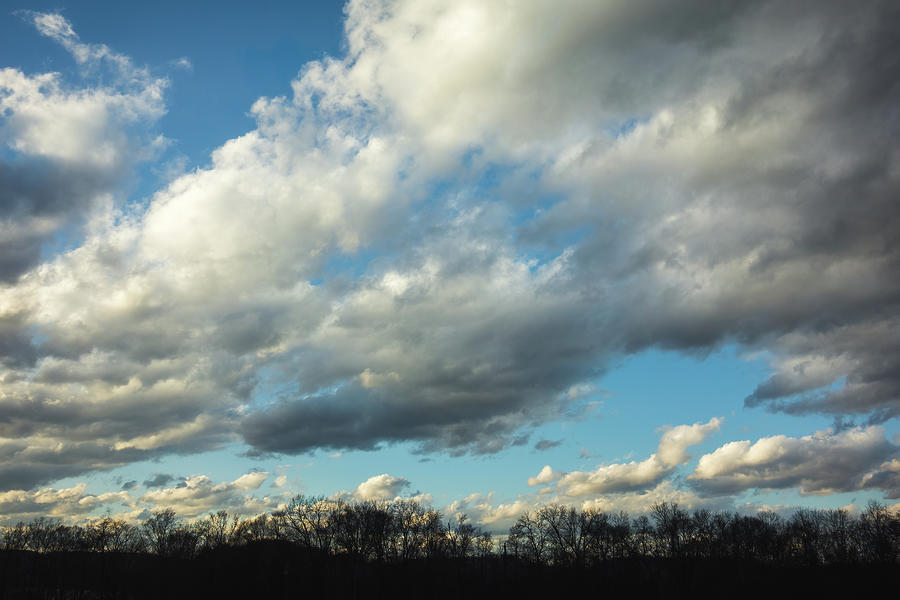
x=547 y=475
x=88 y=126
x=381 y=487
x=633 y=476
x=496 y=518
x=198 y=494
x=822 y=463
x=71 y=504
x=636 y=503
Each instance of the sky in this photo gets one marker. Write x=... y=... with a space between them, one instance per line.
x=482 y=254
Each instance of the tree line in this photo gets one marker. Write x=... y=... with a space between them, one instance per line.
x=404 y=549
x=554 y=534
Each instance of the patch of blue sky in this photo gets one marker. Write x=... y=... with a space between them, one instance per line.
x=623 y=128
x=655 y=388
x=23 y=48
x=348 y=265
x=273 y=385
x=518 y=192
x=62 y=241
x=208 y=103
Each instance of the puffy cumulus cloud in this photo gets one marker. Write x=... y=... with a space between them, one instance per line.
x=529 y=79
x=191 y=497
x=71 y=504
x=634 y=475
x=570 y=185
x=637 y=503
x=547 y=475
x=496 y=517
x=822 y=463
x=198 y=494
x=381 y=487
x=70 y=146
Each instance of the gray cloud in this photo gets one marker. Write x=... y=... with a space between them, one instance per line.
x=754 y=205
x=160 y=480
x=542 y=445
x=637 y=176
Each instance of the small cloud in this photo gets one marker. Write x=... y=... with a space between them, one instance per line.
x=183 y=63
x=580 y=391
x=159 y=480
x=280 y=481
x=547 y=475
x=336 y=455
x=129 y=484
x=543 y=445
x=381 y=487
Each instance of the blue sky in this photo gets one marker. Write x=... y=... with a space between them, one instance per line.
x=485 y=256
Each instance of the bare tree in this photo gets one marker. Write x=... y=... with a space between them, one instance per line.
x=158 y=530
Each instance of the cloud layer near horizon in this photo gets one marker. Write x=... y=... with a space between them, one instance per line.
x=443 y=235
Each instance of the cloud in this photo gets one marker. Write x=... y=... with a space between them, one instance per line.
x=496 y=518
x=637 y=503
x=634 y=476
x=71 y=504
x=160 y=480
x=199 y=494
x=547 y=475
x=569 y=187
x=822 y=463
x=381 y=487
x=72 y=146
x=689 y=259
x=542 y=445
